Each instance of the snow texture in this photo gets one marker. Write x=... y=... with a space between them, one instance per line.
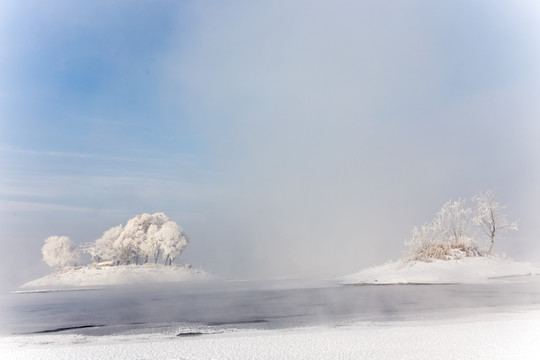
x=512 y=334
x=106 y=274
x=466 y=271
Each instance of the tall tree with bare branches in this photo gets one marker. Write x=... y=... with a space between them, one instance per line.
x=490 y=217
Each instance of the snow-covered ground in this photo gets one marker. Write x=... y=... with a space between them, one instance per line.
x=510 y=333
x=466 y=270
x=96 y=275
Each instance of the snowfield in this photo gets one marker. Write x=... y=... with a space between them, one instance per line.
x=105 y=274
x=509 y=334
x=469 y=270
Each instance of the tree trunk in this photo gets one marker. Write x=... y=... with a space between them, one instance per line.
x=167 y=260
x=491 y=246
x=146 y=259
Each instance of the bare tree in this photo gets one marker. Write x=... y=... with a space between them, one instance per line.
x=490 y=217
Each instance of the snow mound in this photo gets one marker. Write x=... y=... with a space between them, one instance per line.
x=465 y=270
x=106 y=274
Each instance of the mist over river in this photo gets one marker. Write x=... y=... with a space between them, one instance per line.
x=213 y=306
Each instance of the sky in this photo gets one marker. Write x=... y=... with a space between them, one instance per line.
x=287 y=138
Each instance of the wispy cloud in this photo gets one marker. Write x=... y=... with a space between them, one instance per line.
x=7 y=206
x=13 y=150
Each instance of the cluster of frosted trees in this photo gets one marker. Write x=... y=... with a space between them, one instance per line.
x=453 y=232
x=144 y=238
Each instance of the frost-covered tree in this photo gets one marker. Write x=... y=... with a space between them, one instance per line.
x=138 y=238
x=448 y=235
x=452 y=232
x=104 y=247
x=454 y=222
x=144 y=236
x=60 y=251
x=151 y=247
x=125 y=249
x=151 y=244
x=134 y=234
x=422 y=240
x=490 y=217
x=173 y=241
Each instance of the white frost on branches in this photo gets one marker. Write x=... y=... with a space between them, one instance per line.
x=490 y=218
x=455 y=221
x=60 y=251
x=451 y=234
x=144 y=237
x=103 y=247
x=173 y=241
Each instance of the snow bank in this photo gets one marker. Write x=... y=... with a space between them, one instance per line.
x=104 y=274
x=512 y=334
x=465 y=270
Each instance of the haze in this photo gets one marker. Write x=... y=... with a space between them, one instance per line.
x=288 y=139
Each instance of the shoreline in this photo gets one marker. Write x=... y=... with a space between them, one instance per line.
x=96 y=275
x=509 y=332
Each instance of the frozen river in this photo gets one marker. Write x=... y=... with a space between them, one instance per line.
x=211 y=306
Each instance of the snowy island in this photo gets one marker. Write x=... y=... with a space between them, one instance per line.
x=447 y=250
x=127 y=254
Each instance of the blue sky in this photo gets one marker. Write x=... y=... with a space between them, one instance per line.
x=271 y=131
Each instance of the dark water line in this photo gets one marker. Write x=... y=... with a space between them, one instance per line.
x=239 y=322
x=61 y=329
x=186 y=334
